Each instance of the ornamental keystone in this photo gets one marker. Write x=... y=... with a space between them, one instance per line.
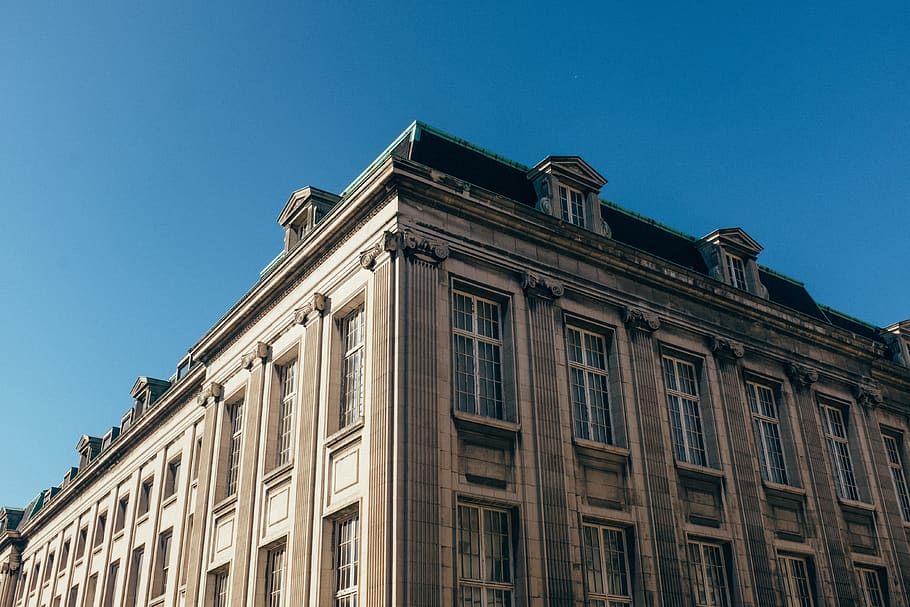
x=801 y=375
x=868 y=393
x=260 y=353
x=726 y=348
x=638 y=319
x=211 y=394
x=541 y=286
x=316 y=303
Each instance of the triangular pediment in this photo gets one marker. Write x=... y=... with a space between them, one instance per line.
x=300 y=198
x=571 y=169
x=734 y=240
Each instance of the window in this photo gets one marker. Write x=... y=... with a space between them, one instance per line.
x=36 y=576
x=872 y=587
x=477 y=332
x=590 y=394
x=736 y=270
x=235 y=427
x=99 y=529
x=145 y=497
x=72 y=596
x=111 y=586
x=274 y=576
x=164 y=557
x=572 y=203
x=286 y=394
x=485 y=557
x=90 y=588
x=685 y=415
x=708 y=573
x=347 y=560
x=351 y=368
x=172 y=478
x=766 y=425
x=49 y=568
x=220 y=589
x=896 y=464
x=120 y=515
x=839 y=451
x=797 y=585
x=81 y=540
x=64 y=554
x=606 y=567
x=135 y=572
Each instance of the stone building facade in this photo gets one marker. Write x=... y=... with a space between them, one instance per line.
x=469 y=382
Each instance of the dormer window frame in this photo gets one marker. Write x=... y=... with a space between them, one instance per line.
x=732 y=258
x=572 y=205
x=580 y=184
x=736 y=271
x=303 y=211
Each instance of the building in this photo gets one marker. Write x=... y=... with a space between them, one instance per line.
x=469 y=382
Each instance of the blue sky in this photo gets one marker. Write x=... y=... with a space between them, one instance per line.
x=146 y=151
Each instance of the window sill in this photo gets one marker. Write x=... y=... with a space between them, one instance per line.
x=117 y=535
x=786 y=495
x=78 y=561
x=856 y=508
x=278 y=472
x=97 y=549
x=699 y=473
x=158 y=600
x=169 y=500
x=142 y=518
x=225 y=504
x=486 y=429
x=600 y=455
x=342 y=434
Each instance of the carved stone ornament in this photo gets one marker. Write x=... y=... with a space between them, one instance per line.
x=896 y=348
x=260 y=352
x=726 y=348
x=868 y=393
x=212 y=393
x=316 y=304
x=641 y=320
x=541 y=286
x=368 y=257
x=802 y=376
x=415 y=245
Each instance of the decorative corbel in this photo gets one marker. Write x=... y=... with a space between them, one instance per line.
x=802 y=376
x=726 y=348
x=415 y=245
x=260 y=353
x=640 y=320
x=541 y=286
x=868 y=393
x=368 y=257
x=314 y=306
x=211 y=395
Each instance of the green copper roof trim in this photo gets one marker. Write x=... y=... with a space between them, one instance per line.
x=828 y=309
x=648 y=220
x=467 y=144
x=407 y=133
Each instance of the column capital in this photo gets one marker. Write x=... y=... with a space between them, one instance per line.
x=868 y=393
x=259 y=353
x=727 y=349
x=210 y=395
x=640 y=320
x=801 y=375
x=312 y=308
x=541 y=286
x=415 y=245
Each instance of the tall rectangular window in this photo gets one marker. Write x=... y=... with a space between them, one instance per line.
x=797 y=585
x=766 y=425
x=485 y=575
x=120 y=515
x=49 y=567
x=99 y=529
x=164 y=561
x=135 y=573
x=872 y=587
x=896 y=465
x=839 y=452
x=287 y=392
x=64 y=555
x=681 y=381
x=274 y=576
x=220 y=589
x=111 y=586
x=81 y=540
x=351 y=368
x=172 y=478
x=477 y=333
x=590 y=393
x=736 y=269
x=145 y=497
x=347 y=561
x=72 y=596
x=606 y=567
x=709 y=574
x=572 y=205
x=235 y=428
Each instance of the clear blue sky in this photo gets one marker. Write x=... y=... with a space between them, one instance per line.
x=146 y=150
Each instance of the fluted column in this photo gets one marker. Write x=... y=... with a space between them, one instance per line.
x=650 y=407
x=541 y=293
x=253 y=361
x=825 y=496
x=8 y=578
x=300 y=565
x=742 y=450
x=209 y=399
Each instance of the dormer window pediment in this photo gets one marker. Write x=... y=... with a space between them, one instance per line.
x=897 y=336
x=732 y=257
x=567 y=187
x=305 y=208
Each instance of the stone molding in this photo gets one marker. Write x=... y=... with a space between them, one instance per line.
x=801 y=375
x=316 y=303
x=868 y=393
x=407 y=242
x=638 y=319
x=212 y=394
x=541 y=286
x=727 y=348
x=260 y=353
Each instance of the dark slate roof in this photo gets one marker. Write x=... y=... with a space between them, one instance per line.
x=789 y=293
x=653 y=238
x=839 y=319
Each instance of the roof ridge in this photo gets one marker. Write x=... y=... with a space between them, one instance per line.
x=646 y=219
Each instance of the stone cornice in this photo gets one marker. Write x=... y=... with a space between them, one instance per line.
x=727 y=349
x=541 y=286
x=640 y=320
x=313 y=308
x=258 y=354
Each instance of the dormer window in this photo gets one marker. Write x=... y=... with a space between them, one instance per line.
x=736 y=271
x=572 y=203
x=303 y=211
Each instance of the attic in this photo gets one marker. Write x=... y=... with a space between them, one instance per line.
x=305 y=208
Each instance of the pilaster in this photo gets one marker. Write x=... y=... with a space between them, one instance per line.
x=641 y=326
